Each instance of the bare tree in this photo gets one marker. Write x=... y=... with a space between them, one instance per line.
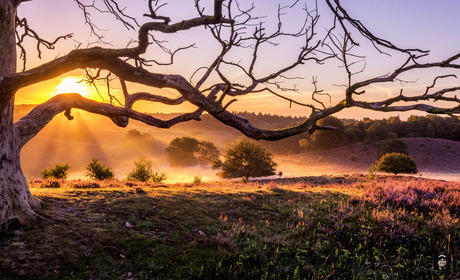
x=211 y=88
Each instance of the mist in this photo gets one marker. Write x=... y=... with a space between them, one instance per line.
x=90 y=136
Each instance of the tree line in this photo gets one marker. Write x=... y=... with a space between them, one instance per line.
x=370 y=130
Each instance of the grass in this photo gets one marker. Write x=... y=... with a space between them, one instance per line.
x=346 y=227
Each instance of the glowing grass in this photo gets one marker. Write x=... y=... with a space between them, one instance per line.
x=305 y=228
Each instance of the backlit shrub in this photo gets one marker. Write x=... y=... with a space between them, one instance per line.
x=396 y=163
x=59 y=171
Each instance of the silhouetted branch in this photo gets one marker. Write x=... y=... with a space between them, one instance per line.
x=28 y=32
x=41 y=115
x=235 y=29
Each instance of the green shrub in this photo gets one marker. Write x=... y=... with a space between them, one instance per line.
x=244 y=180
x=396 y=163
x=246 y=159
x=59 y=171
x=143 y=172
x=197 y=180
x=98 y=171
x=391 y=146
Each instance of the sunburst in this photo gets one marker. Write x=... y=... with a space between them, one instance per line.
x=73 y=85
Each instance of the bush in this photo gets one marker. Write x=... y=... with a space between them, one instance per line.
x=51 y=184
x=197 y=180
x=59 y=171
x=396 y=163
x=98 y=171
x=246 y=159
x=391 y=146
x=143 y=172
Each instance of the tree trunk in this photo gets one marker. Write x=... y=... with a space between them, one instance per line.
x=16 y=201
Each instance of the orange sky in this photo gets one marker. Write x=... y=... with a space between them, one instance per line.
x=425 y=24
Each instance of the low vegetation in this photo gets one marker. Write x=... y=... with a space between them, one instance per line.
x=143 y=172
x=98 y=171
x=59 y=171
x=390 y=227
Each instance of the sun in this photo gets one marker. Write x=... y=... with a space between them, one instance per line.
x=73 y=85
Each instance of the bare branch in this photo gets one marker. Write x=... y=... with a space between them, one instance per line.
x=41 y=115
x=27 y=31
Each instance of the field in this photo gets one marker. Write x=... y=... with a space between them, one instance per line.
x=326 y=227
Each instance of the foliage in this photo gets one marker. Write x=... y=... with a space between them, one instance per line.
x=391 y=146
x=336 y=228
x=377 y=131
x=246 y=159
x=143 y=140
x=354 y=135
x=188 y=151
x=396 y=163
x=59 y=171
x=430 y=126
x=197 y=180
x=322 y=139
x=143 y=172
x=207 y=153
x=98 y=171
x=303 y=145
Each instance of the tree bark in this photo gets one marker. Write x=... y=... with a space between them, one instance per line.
x=16 y=201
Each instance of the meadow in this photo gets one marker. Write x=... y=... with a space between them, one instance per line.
x=323 y=227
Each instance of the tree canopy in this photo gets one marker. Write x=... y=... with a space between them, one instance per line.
x=246 y=159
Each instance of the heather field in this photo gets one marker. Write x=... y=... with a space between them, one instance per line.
x=326 y=227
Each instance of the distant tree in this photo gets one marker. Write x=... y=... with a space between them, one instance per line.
x=377 y=131
x=133 y=134
x=98 y=171
x=143 y=140
x=321 y=139
x=416 y=126
x=181 y=151
x=143 y=172
x=246 y=159
x=396 y=163
x=59 y=171
x=455 y=133
x=188 y=151
x=304 y=144
x=391 y=146
x=354 y=135
x=395 y=125
x=207 y=153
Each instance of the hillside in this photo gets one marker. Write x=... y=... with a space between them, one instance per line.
x=435 y=158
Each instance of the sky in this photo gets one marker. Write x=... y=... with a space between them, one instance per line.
x=424 y=24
